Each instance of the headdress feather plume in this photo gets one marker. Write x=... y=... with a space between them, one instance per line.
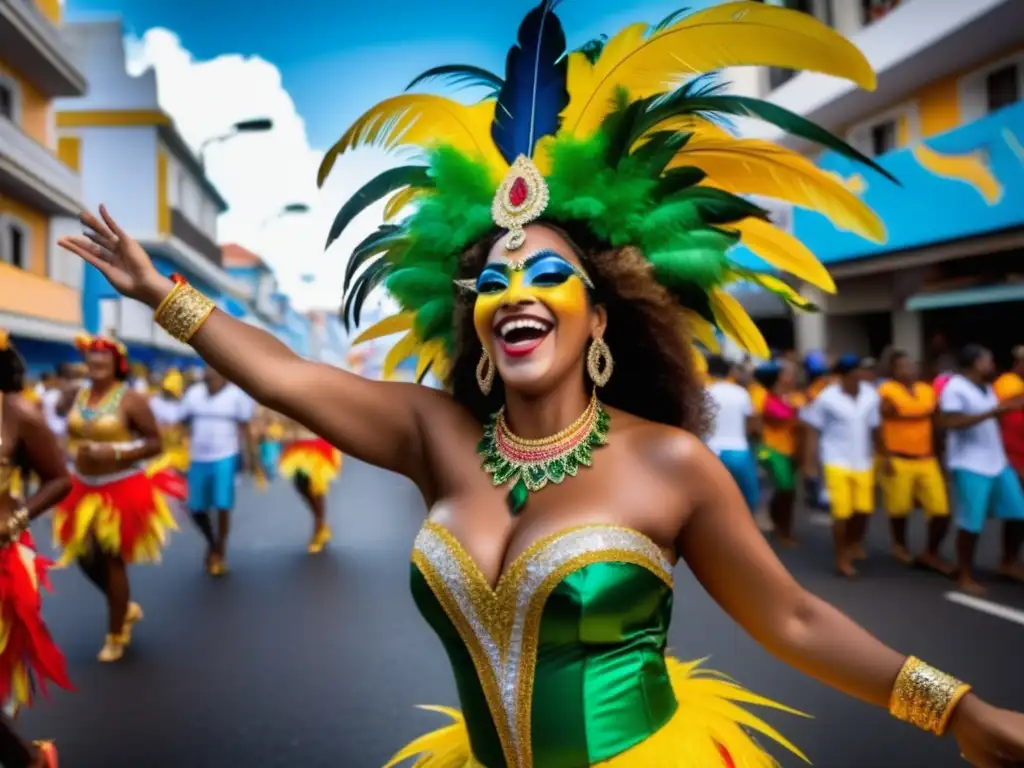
x=631 y=139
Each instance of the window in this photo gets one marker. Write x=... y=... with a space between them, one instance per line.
x=14 y=243
x=883 y=137
x=1003 y=87
x=10 y=99
x=873 y=10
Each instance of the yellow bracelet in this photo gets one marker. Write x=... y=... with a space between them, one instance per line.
x=925 y=697
x=167 y=299
x=183 y=312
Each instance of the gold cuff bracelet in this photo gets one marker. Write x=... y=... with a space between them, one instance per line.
x=925 y=697
x=183 y=312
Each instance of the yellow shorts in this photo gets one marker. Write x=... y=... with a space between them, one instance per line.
x=850 y=491
x=915 y=482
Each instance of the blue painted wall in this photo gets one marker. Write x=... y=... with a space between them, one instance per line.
x=929 y=208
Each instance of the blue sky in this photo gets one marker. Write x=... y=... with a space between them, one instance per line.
x=337 y=58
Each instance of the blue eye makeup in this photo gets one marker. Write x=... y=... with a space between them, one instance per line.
x=544 y=269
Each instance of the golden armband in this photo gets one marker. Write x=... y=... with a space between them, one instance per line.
x=925 y=697
x=183 y=312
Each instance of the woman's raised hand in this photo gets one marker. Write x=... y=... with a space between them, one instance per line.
x=122 y=261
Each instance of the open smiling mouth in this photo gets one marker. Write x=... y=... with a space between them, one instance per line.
x=519 y=336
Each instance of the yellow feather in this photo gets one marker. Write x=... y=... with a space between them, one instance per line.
x=757 y=167
x=425 y=121
x=783 y=290
x=784 y=252
x=701 y=330
x=429 y=354
x=404 y=348
x=393 y=324
x=734 y=321
x=400 y=200
x=731 y=35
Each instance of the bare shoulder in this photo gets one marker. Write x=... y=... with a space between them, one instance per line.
x=25 y=411
x=134 y=399
x=669 y=450
x=437 y=409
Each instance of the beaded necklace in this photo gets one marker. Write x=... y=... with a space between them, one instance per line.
x=531 y=464
x=107 y=405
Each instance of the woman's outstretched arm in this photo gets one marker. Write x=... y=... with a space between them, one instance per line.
x=377 y=422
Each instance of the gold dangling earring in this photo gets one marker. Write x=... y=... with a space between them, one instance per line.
x=485 y=373
x=599 y=362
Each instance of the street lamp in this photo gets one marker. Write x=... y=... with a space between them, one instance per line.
x=255 y=125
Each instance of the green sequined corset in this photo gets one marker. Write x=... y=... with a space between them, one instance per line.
x=562 y=665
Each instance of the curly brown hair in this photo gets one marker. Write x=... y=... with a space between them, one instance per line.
x=655 y=373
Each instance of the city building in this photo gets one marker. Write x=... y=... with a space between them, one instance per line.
x=39 y=183
x=947 y=120
x=133 y=159
x=269 y=309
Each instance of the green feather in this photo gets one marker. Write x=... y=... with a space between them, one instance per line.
x=678 y=179
x=371 y=277
x=377 y=189
x=415 y=286
x=716 y=206
x=434 y=317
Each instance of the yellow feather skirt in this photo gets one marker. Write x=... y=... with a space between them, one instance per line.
x=711 y=729
x=316 y=459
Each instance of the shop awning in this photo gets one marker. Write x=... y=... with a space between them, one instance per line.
x=966 y=297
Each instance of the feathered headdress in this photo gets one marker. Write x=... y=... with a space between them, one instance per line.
x=5 y=340
x=86 y=343
x=623 y=135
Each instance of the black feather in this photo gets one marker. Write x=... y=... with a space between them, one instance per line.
x=382 y=239
x=678 y=179
x=460 y=76
x=376 y=189
x=534 y=93
x=669 y=20
x=593 y=49
x=372 y=276
x=717 y=206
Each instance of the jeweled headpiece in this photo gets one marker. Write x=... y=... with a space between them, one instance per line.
x=623 y=136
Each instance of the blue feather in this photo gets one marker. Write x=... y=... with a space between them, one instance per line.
x=534 y=93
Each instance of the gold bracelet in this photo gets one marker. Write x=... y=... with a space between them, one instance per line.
x=167 y=299
x=925 y=697
x=184 y=312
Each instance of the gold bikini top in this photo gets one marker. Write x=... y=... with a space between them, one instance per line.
x=101 y=423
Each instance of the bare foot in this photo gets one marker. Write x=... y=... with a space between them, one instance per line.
x=970 y=586
x=935 y=563
x=901 y=554
x=845 y=569
x=1013 y=572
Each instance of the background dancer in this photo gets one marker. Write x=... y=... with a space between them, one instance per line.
x=167 y=410
x=116 y=513
x=984 y=482
x=269 y=428
x=781 y=433
x=218 y=415
x=910 y=474
x=29 y=658
x=312 y=464
x=843 y=436
x=735 y=422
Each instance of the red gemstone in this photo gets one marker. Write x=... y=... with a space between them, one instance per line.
x=517 y=193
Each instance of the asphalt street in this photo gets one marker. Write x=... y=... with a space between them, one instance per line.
x=320 y=662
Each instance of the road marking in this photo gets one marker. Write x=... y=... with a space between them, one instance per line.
x=987 y=606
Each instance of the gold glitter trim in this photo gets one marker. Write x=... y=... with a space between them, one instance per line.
x=184 y=313
x=925 y=697
x=488 y=681
x=535 y=199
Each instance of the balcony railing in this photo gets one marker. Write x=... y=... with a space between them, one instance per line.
x=34 y=44
x=52 y=185
x=191 y=235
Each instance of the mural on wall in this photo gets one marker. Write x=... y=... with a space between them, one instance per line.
x=966 y=182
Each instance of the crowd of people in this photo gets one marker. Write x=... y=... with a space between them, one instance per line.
x=115 y=460
x=866 y=433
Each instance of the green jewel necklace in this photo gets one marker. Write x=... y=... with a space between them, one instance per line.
x=531 y=464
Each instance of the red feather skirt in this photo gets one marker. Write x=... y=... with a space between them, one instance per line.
x=128 y=517
x=29 y=659
x=315 y=458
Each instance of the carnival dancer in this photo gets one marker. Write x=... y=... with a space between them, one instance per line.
x=843 y=436
x=167 y=410
x=312 y=464
x=1007 y=387
x=29 y=659
x=984 y=483
x=780 y=443
x=564 y=470
x=218 y=415
x=910 y=472
x=735 y=422
x=116 y=514
x=270 y=431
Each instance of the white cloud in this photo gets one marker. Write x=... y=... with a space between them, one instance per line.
x=258 y=174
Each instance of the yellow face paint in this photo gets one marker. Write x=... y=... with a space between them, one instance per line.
x=545 y=277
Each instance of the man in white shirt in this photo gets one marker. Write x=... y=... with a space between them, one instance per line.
x=218 y=414
x=845 y=420
x=984 y=483
x=54 y=388
x=735 y=419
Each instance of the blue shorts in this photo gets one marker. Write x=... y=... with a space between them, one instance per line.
x=979 y=497
x=211 y=484
x=743 y=468
x=270 y=458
